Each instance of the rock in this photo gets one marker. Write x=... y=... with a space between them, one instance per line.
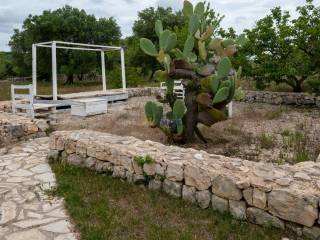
x=197 y=177
x=7 y=212
x=75 y=159
x=318 y=159
x=57 y=227
x=219 y=204
x=119 y=172
x=129 y=176
x=90 y=162
x=172 y=188
x=302 y=176
x=224 y=187
x=53 y=155
x=261 y=217
x=248 y=195
x=284 y=181
x=155 y=185
x=294 y=227
x=259 y=198
x=34 y=222
x=285 y=204
x=189 y=193
x=312 y=233
x=149 y=169
x=138 y=179
x=243 y=184
x=42 y=125
x=203 y=198
x=238 y=209
x=33 y=234
x=103 y=167
x=175 y=171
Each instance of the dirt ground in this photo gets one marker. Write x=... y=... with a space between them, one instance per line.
x=257 y=132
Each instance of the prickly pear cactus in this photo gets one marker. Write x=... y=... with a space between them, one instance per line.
x=206 y=72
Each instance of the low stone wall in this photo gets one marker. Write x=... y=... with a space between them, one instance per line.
x=284 y=98
x=284 y=196
x=5 y=106
x=14 y=128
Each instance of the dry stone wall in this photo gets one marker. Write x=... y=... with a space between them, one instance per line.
x=282 y=196
x=282 y=98
x=14 y=128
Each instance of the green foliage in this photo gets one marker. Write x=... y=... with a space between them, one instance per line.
x=314 y=83
x=64 y=24
x=198 y=64
x=148 y=47
x=282 y=49
x=142 y=160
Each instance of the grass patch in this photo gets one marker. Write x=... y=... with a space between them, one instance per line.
x=105 y=208
x=266 y=141
x=296 y=141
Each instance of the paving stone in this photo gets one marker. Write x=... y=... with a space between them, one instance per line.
x=8 y=212
x=57 y=227
x=33 y=234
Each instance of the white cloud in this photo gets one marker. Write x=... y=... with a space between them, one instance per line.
x=239 y=14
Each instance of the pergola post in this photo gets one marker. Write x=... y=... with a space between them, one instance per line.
x=54 y=71
x=123 y=70
x=103 y=69
x=34 y=69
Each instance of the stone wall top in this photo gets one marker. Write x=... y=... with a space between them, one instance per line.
x=290 y=192
x=14 y=127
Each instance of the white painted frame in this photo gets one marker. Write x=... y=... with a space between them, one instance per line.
x=54 y=45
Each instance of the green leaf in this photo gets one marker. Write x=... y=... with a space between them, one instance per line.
x=193 y=24
x=221 y=95
x=226 y=83
x=188 y=45
x=187 y=8
x=148 y=47
x=164 y=39
x=179 y=109
x=199 y=9
x=179 y=126
x=178 y=54
x=148 y=110
x=227 y=42
x=241 y=40
x=167 y=62
x=214 y=84
x=202 y=50
x=171 y=43
x=224 y=67
x=160 y=76
x=239 y=94
x=159 y=28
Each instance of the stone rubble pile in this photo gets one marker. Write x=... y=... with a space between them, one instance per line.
x=282 y=196
x=14 y=128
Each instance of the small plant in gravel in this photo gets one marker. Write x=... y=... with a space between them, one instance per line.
x=266 y=141
x=206 y=72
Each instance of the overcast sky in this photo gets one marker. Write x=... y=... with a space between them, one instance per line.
x=239 y=14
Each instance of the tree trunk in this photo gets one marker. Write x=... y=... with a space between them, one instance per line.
x=69 y=79
x=191 y=117
x=297 y=88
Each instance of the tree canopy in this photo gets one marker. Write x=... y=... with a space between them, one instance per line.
x=64 y=24
x=283 y=50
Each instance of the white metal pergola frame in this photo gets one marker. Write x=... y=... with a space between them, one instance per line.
x=74 y=46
